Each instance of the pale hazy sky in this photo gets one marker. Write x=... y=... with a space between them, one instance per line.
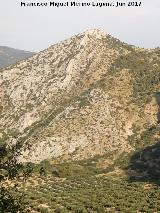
x=36 y=28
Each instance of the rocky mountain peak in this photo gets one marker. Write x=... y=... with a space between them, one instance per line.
x=79 y=98
x=98 y=33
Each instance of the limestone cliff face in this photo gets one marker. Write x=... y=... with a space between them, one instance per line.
x=74 y=100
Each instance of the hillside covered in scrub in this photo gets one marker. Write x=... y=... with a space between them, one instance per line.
x=85 y=96
x=79 y=126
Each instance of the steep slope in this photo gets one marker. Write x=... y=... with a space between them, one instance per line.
x=86 y=96
x=9 y=56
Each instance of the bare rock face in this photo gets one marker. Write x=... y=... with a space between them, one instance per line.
x=76 y=99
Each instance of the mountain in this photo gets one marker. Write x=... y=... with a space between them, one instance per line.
x=90 y=95
x=9 y=56
x=80 y=128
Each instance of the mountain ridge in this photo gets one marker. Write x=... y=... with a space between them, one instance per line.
x=10 y=56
